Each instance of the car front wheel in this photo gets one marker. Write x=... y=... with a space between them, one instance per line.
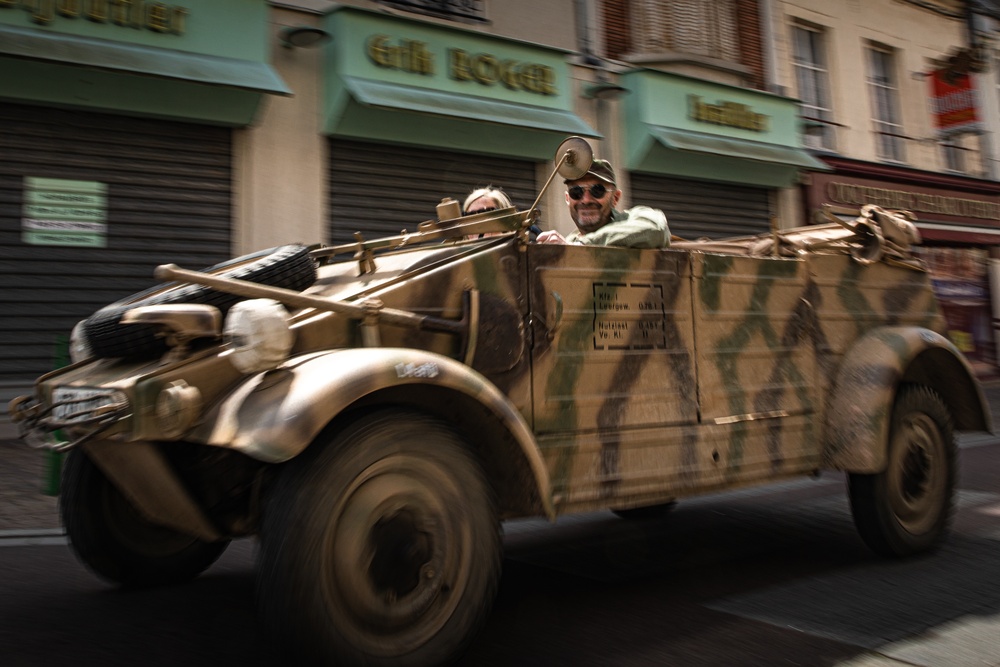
x=111 y=537
x=380 y=546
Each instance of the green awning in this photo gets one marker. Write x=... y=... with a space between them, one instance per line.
x=714 y=144
x=73 y=51
x=439 y=103
x=669 y=151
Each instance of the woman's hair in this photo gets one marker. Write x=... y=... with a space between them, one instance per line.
x=499 y=197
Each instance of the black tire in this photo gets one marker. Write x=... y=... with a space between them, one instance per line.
x=290 y=267
x=648 y=513
x=907 y=508
x=380 y=547
x=110 y=537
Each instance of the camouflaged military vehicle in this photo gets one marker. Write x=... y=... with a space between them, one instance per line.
x=374 y=411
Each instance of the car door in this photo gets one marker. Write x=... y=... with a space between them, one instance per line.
x=757 y=343
x=613 y=376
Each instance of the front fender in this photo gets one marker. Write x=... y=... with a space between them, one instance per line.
x=859 y=408
x=275 y=415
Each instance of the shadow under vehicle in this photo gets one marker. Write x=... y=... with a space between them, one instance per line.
x=375 y=411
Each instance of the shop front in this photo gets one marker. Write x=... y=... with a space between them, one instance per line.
x=415 y=112
x=712 y=156
x=959 y=222
x=116 y=153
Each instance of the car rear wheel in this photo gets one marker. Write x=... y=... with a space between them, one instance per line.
x=111 y=537
x=381 y=546
x=907 y=508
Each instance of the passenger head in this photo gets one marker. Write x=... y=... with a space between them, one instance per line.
x=592 y=197
x=485 y=199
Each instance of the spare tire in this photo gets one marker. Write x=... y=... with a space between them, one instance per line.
x=290 y=267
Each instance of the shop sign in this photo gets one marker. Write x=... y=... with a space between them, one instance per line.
x=417 y=57
x=137 y=14
x=933 y=203
x=852 y=194
x=958 y=290
x=727 y=113
x=953 y=101
x=61 y=212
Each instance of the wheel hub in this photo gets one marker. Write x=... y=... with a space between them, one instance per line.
x=401 y=551
x=916 y=473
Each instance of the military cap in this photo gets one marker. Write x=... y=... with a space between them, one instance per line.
x=601 y=169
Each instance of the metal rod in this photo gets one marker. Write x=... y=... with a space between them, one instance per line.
x=545 y=187
x=299 y=300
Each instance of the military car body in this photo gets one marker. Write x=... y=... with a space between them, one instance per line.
x=575 y=378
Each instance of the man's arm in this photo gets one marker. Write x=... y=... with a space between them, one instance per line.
x=638 y=227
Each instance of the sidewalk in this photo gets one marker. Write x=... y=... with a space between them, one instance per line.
x=23 y=506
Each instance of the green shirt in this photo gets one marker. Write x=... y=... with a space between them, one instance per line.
x=637 y=227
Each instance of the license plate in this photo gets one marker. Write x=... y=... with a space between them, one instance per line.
x=74 y=404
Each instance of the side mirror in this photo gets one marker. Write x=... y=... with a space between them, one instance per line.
x=573 y=159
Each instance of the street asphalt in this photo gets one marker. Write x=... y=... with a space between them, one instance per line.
x=25 y=473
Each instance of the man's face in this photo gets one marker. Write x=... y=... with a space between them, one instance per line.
x=591 y=213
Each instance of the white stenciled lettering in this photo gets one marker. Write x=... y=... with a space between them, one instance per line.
x=425 y=370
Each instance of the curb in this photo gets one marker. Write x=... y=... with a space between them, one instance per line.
x=33 y=537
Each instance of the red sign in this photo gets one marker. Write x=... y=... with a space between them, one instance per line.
x=953 y=99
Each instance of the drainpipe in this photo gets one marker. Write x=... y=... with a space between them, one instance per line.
x=986 y=133
x=583 y=11
x=770 y=51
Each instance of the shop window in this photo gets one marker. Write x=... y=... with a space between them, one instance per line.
x=960 y=277
x=812 y=79
x=697 y=27
x=884 y=92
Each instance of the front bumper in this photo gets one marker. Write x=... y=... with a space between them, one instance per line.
x=70 y=417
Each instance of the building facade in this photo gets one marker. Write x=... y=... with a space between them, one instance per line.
x=118 y=140
x=139 y=133
x=900 y=101
x=704 y=137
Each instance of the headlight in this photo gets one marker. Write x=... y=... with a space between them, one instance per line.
x=259 y=335
x=177 y=408
x=79 y=348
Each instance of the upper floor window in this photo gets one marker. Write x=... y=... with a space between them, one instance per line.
x=461 y=10
x=884 y=92
x=699 y=27
x=954 y=155
x=813 y=81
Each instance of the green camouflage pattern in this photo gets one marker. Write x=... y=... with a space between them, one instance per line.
x=589 y=377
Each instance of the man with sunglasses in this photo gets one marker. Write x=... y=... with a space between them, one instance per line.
x=592 y=199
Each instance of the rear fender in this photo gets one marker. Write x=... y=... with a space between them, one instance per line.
x=275 y=415
x=860 y=404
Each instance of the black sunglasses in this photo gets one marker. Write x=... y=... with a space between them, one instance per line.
x=597 y=191
x=482 y=210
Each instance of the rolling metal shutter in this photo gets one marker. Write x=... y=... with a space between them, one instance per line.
x=379 y=189
x=168 y=200
x=697 y=209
